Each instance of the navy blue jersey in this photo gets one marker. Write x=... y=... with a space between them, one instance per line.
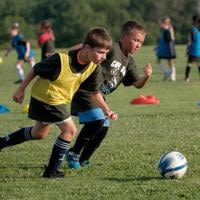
x=166 y=46
x=19 y=44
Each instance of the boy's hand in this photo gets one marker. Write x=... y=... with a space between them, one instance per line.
x=18 y=96
x=26 y=57
x=112 y=115
x=148 y=70
x=6 y=52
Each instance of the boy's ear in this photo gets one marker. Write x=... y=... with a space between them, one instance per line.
x=87 y=46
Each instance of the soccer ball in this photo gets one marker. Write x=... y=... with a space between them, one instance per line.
x=172 y=165
x=1 y=60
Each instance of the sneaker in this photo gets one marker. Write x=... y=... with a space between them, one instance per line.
x=187 y=80
x=1 y=140
x=73 y=160
x=85 y=163
x=53 y=174
x=167 y=75
x=18 y=81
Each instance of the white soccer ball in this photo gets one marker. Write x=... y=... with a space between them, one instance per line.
x=172 y=165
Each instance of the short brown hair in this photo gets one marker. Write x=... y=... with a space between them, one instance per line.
x=98 y=37
x=129 y=26
x=45 y=24
x=15 y=25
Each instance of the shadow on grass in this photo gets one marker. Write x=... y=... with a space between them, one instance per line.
x=20 y=171
x=21 y=166
x=131 y=179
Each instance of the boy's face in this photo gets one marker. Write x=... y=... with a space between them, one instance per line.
x=97 y=54
x=13 y=32
x=132 y=43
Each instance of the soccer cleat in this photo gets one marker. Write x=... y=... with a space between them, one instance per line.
x=187 y=80
x=18 y=81
x=53 y=174
x=73 y=160
x=1 y=140
x=167 y=75
x=85 y=163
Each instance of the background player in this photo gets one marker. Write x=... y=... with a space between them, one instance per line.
x=23 y=49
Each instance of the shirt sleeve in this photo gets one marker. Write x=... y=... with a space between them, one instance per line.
x=131 y=74
x=93 y=82
x=49 y=68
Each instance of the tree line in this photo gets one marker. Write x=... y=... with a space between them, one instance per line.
x=72 y=18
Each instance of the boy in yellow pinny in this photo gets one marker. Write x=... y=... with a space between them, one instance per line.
x=59 y=78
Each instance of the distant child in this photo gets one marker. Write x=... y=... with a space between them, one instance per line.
x=193 y=47
x=23 y=49
x=60 y=76
x=46 y=39
x=165 y=49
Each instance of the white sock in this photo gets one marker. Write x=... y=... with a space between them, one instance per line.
x=173 y=74
x=20 y=72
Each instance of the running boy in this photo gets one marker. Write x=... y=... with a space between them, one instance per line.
x=59 y=78
x=119 y=67
x=23 y=49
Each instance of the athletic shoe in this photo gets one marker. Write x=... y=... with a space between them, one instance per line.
x=167 y=75
x=73 y=160
x=1 y=139
x=18 y=81
x=85 y=163
x=187 y=80
x=53 y=174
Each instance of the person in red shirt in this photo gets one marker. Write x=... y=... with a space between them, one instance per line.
x=46 y=39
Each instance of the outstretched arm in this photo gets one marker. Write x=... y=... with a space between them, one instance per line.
x=18 y=96
x=147 y=74
x=7 y=51
x=99 y=100
x=26 y=56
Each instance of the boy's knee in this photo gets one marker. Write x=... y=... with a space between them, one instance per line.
x=38 y=137
x=69 y=134
x=18 y=66
x=73 y=131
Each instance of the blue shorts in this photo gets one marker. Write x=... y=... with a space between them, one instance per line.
x=93 y=115
x=21 y=55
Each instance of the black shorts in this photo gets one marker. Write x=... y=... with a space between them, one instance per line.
x=193 y=59
x=43 y=112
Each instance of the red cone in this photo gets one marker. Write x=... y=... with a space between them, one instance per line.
x=145 y=100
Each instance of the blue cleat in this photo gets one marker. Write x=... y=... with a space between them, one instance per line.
x=73 y=160
x=85 y=163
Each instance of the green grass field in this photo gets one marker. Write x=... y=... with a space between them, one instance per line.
x=125 y=167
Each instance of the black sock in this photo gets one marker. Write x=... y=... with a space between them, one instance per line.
x=17 y=137
x=87 y=132
x=187 y=72
x=58 y=154
x=199 y=70
x=93 y=144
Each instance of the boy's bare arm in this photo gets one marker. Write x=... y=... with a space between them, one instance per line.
x=99 y=100
x=18 y=96
x=147 y=74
